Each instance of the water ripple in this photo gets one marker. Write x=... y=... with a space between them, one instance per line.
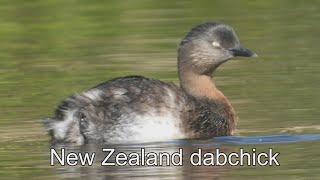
x=272 y=139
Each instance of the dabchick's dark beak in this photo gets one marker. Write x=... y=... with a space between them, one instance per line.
x=242 y=52
x=46 y=121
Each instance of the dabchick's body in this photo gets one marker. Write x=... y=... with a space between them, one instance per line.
x=135 y=108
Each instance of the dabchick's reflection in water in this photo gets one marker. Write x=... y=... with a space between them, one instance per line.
x=136 y=108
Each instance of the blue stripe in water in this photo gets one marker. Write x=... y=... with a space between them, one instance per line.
x=273 y=139
x=243 y=140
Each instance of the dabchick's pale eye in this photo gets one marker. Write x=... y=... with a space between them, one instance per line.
x=216 y=44
x=83 y=121
x=82 y=117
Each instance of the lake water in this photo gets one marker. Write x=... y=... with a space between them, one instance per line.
x=51 y=49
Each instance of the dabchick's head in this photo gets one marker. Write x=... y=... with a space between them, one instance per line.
x=207 y=46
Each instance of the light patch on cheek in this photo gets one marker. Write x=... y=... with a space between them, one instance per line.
x=60 y=128
x=216 y=44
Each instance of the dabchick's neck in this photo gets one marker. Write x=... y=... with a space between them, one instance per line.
x=200 y=86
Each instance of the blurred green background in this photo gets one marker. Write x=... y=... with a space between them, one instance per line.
x=54 y=48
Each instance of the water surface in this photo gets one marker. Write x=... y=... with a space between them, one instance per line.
x=51 y=49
